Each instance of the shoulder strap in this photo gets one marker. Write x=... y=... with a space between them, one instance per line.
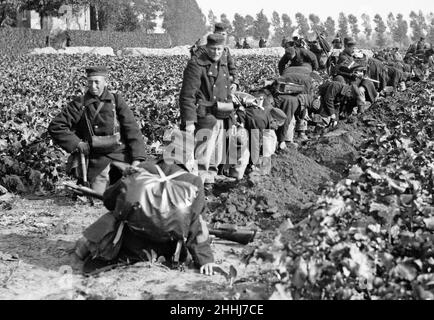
x=116 y=127
x=170 y=177
x=101 y=104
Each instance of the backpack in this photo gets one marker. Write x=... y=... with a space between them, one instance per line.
x=155 y=205
x=283 y=86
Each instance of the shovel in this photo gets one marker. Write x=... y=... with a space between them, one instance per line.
x=84 y=172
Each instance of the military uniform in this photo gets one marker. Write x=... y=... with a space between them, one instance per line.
x=303 y=58
x=205 y=83
x=336 y=97
x=132 y=243
x=69 y=128
x=368 y=91
x=232 y=68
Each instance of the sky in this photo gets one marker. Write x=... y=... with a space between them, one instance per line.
x=322 y=8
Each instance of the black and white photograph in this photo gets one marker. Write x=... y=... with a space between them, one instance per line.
x=227 y=151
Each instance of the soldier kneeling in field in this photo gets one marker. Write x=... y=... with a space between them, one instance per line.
x=156 y=207
x=337 y=99
x=97 y=128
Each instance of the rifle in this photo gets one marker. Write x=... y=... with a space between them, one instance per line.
x=366 y=78
x=229 y=232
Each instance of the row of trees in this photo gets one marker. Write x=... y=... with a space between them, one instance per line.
x=185 y=22
x=394 y=28
x=182 y=19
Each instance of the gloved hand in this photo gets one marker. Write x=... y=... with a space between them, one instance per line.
x=83 y=147
x=234 y=88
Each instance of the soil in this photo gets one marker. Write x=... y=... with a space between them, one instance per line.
x=37 y=235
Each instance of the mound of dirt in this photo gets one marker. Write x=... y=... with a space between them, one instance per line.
x=292 y=187
x=333 y=151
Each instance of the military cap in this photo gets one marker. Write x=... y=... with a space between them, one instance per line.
x=96 y=71
x=220 y=27
x=348 y=41
x=278 y=115
x=215 y=39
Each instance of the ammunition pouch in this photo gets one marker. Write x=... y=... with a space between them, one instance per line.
x=106 y=144
x=223 y=110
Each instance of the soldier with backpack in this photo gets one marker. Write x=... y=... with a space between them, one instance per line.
x=159 y=207
x=98 y=128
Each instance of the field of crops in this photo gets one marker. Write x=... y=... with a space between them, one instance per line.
x=347 y=216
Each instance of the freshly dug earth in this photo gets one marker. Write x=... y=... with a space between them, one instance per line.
x=292 y=186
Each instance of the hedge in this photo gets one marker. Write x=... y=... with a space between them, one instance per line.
x=20 y=40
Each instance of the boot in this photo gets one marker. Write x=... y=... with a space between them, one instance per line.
x=265 y=168
x=302 y=136
x=82 y=249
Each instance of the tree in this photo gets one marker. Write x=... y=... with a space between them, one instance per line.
x=250 y=25
x=148 y=11
x=8 y=12
x=114 y=14
x=212 y=19
x=302 y=25
x=380 y=29
x=239 y=24
x=261 y=26
x=430 y=35
x=127 y=19
x=367 y=25
x=352 y=19
x=287 y=27
x=398 y=28
x=45 y=8
x=330 y=28
x=277 y=28
x=418 y=24
x=184 y=21
x=224 y=19
x=315 y=24
x=402 y=29
x=343 y=25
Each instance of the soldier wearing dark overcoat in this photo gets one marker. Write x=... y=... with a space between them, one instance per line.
x=98 y=113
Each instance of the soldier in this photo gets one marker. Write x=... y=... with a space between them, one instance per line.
x=116 y=236
x=336 y=98
x=246 y=44
x=262 y=43
x=347 y=70
x=206 y=103
x=337 y=42
x=420 y=45
x=197 y=50
x=301 y=59
x=99 y=125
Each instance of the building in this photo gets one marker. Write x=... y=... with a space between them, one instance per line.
x=78 y=20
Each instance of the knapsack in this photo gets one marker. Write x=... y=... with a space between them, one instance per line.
x=155 y=205
x=283 y=86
